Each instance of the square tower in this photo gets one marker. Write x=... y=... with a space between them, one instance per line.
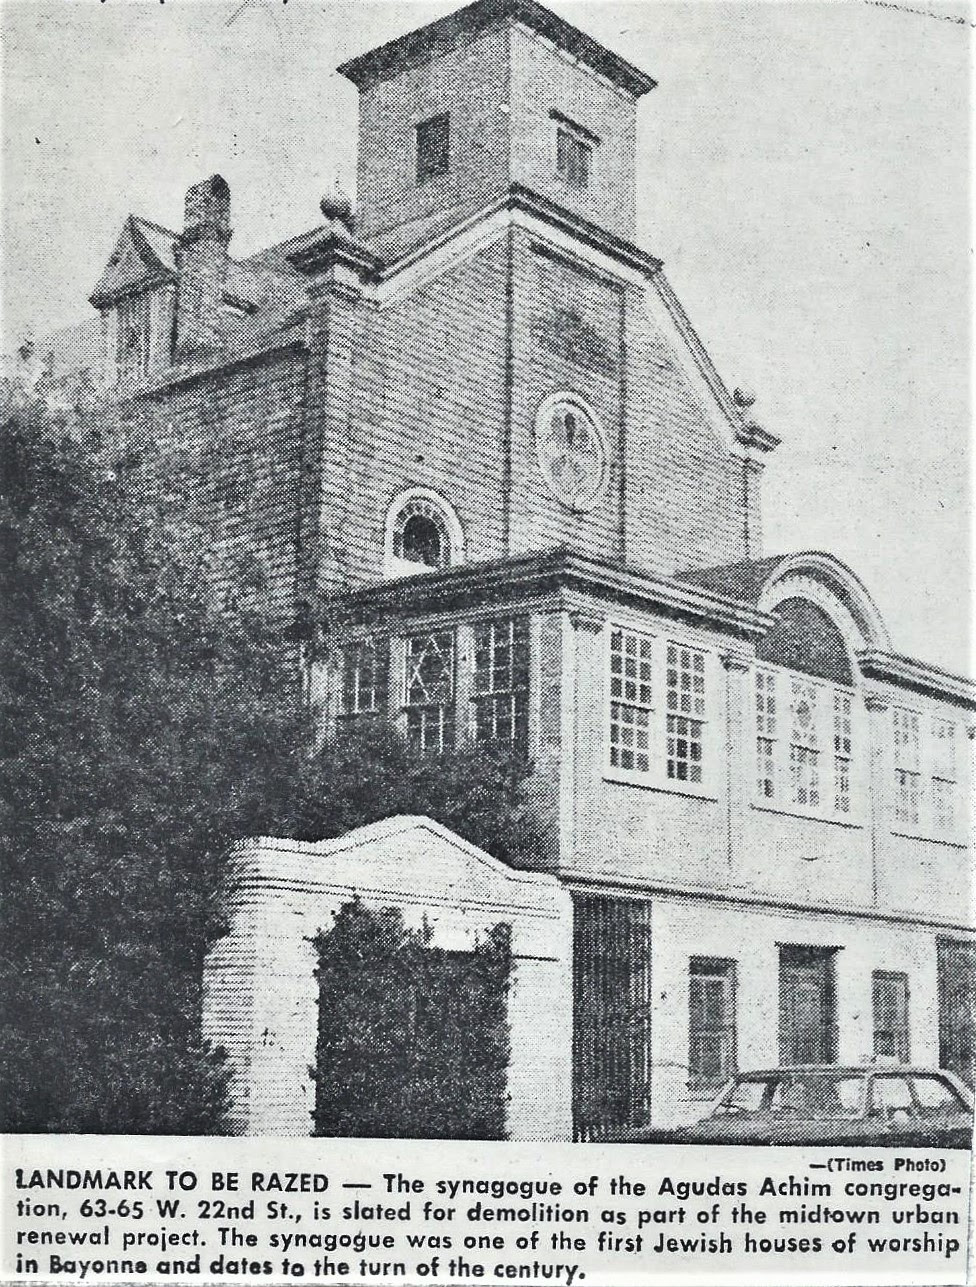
x=502 y=92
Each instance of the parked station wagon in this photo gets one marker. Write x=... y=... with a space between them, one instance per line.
x=887 y=1106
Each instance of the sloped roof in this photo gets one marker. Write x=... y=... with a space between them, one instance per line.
x=144 y=253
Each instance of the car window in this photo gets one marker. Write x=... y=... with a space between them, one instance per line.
x=891 y=1095
x=934 y=1095
x=820 y=1096
x=744 y=1097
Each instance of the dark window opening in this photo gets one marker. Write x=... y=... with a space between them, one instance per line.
x=804 y=638
x=433 y=147
x=421 y=541
x=574 y=157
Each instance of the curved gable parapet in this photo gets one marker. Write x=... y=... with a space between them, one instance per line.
x=833 y=587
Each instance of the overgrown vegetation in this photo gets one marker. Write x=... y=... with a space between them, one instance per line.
x=413 y=1040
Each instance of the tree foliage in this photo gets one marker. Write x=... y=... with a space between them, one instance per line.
x=150 y=717
x=413 y=1040
x=145 y=728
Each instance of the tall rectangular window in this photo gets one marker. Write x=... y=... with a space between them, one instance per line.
x=574 y=157
x=630 y=700
x=890 y=1002
x=132 y=338
x=766 y=734
x=501 y=682
x=804 y=746
x=943 y=774
x=433 y=138
x=907 y=766
x=843 y=744
x=364 y=679
x=686 y=712
x=711 y=1020
x=429 y=691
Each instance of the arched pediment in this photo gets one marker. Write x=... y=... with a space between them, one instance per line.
x=825 y=581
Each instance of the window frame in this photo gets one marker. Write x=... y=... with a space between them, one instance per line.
x=574 y=162
x=903 y=1034
x=932 y=773
x=380 y=686
x=646 y=708
x=516 y=693
x=446 y=707
x=656 y=778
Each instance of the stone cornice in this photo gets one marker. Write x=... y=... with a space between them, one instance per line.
x=906 y=672
x=555 y=572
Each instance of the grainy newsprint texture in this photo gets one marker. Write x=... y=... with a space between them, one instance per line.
x=487 y=731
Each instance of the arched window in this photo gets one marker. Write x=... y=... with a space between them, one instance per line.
x=422 y=534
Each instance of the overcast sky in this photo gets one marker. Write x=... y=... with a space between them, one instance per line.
x=802 y=173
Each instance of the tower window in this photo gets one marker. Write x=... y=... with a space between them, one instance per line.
x=433 y=147
x=573 y=158
x=423 y=541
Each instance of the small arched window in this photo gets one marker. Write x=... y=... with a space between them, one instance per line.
x=422 y=534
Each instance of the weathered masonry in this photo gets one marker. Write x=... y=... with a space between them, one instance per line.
x=471 y=417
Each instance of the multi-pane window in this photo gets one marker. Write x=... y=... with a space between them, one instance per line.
x=630 y=700
x=574 y=157
x=711 y=1020
x=842 y=751
x=907 y=766
x=433 y=147
x=685 y=712
x=365 y=671
x=429 y=691
x=501 y=682
x=804 y=744
x=766 y=734
x=943 y=762
x=890 y=1004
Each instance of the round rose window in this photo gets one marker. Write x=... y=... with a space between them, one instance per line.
x=571 y=450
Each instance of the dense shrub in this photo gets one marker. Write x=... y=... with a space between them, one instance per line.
x=413 y=1040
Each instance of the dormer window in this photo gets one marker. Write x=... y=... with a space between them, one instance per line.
x=574 y=151
x=433 y=147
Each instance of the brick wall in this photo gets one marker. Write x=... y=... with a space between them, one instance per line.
x=227 y=450
x=472 y=85
x=544 y=79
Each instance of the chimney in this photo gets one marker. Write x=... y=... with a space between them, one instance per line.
x=201 y=258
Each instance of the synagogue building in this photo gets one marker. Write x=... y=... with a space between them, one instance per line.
x=468 y=420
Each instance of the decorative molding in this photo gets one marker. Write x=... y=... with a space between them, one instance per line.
x=586 y=621
x=737 y=662
x=906 y=672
